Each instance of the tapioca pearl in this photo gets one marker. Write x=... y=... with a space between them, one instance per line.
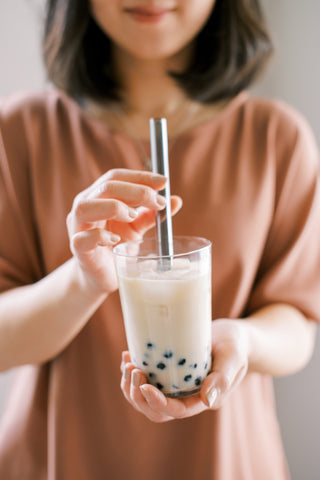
x=193 y=365
x=197 y=381
x=182 y=361
x=150 y=345
x=187 y=378
x=161 y=365
x=152 y=375
x=145 y=363
x=159 y=385
x=175 y=386
x=168 y=354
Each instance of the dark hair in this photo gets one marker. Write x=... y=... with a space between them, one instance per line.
x=230 y=51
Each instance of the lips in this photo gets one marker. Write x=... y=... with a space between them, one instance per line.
x=147 y=14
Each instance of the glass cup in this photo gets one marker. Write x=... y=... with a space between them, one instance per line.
x=166 y=305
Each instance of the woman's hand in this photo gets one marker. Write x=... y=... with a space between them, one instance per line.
x=230 y=350
x=119 y=206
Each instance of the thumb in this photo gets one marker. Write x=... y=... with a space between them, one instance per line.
x=227 y=374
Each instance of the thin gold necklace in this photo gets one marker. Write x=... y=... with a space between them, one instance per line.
x=128 y=127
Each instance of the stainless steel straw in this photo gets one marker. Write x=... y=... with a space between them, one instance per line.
x=160 y=164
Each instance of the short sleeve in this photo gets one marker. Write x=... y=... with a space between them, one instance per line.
x=289 y=271
x=19 y=255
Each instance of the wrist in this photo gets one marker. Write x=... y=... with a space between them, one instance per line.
x=87 y=291
x=252 y=337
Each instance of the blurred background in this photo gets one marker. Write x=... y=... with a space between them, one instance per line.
x=293 y=76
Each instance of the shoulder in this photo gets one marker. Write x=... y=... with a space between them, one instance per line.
x=32 y=122
x=278 y=116
x=286 y=131
x=22 y=106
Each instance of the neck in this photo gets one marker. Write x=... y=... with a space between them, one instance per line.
x=149 y=91
x=147 y=87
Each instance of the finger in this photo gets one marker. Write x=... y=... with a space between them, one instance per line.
x=125 y=358
x=143 y=177
x=88 y=211
x=146 y=218
x=88 y=240
x=131 y=379
x=135 y=230
x=138 y=379
x=140 y=177
x=124 y=231
x=130 y=193
x=126 y=380
x=171 y=407
x=222 y=381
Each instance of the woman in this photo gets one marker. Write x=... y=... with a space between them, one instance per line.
x=247 y=172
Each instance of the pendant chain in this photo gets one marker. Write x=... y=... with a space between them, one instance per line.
x=128 y=127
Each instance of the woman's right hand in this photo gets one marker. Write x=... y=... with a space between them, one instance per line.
x=118 y=207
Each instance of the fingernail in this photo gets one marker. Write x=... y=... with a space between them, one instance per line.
x=161 y=201
x=126 y=373
x=135 y=378
x=145 y=393
x=133 y=213
x=158 y=177
x=212 y=396
x=114 y=238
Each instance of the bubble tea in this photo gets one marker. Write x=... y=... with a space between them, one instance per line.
x=167 y=311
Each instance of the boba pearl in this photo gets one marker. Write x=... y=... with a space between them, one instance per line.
x=197 y=381
x=158 y=360
x=168 y=354
x=161 y=365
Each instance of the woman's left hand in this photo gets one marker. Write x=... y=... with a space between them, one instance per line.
x=230 y=352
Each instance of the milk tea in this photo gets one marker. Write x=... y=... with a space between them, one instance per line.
x=167 y=315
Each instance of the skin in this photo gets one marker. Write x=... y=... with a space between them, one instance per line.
x=267 y=341
x=119 y=206
x=168 y=38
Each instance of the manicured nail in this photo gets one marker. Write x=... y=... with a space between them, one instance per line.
x=114 y=238
x=161 y=201
x=135 y=378
x=212 y=396
x=133 y=213
x=158 y=177
x=145 y=393
x=126 y=373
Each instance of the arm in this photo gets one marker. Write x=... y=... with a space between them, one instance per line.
x=276 y=340
x=38 y=321
x=281 y=340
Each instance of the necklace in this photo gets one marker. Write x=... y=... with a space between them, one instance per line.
x=181 y=124
x=184 y=117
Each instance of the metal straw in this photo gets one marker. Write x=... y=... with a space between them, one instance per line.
x=160 y=164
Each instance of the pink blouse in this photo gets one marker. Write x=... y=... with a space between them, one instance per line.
x=249 y=181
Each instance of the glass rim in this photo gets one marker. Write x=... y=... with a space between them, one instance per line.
x=206 y=244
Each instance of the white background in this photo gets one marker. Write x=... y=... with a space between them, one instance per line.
x=294 y=76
